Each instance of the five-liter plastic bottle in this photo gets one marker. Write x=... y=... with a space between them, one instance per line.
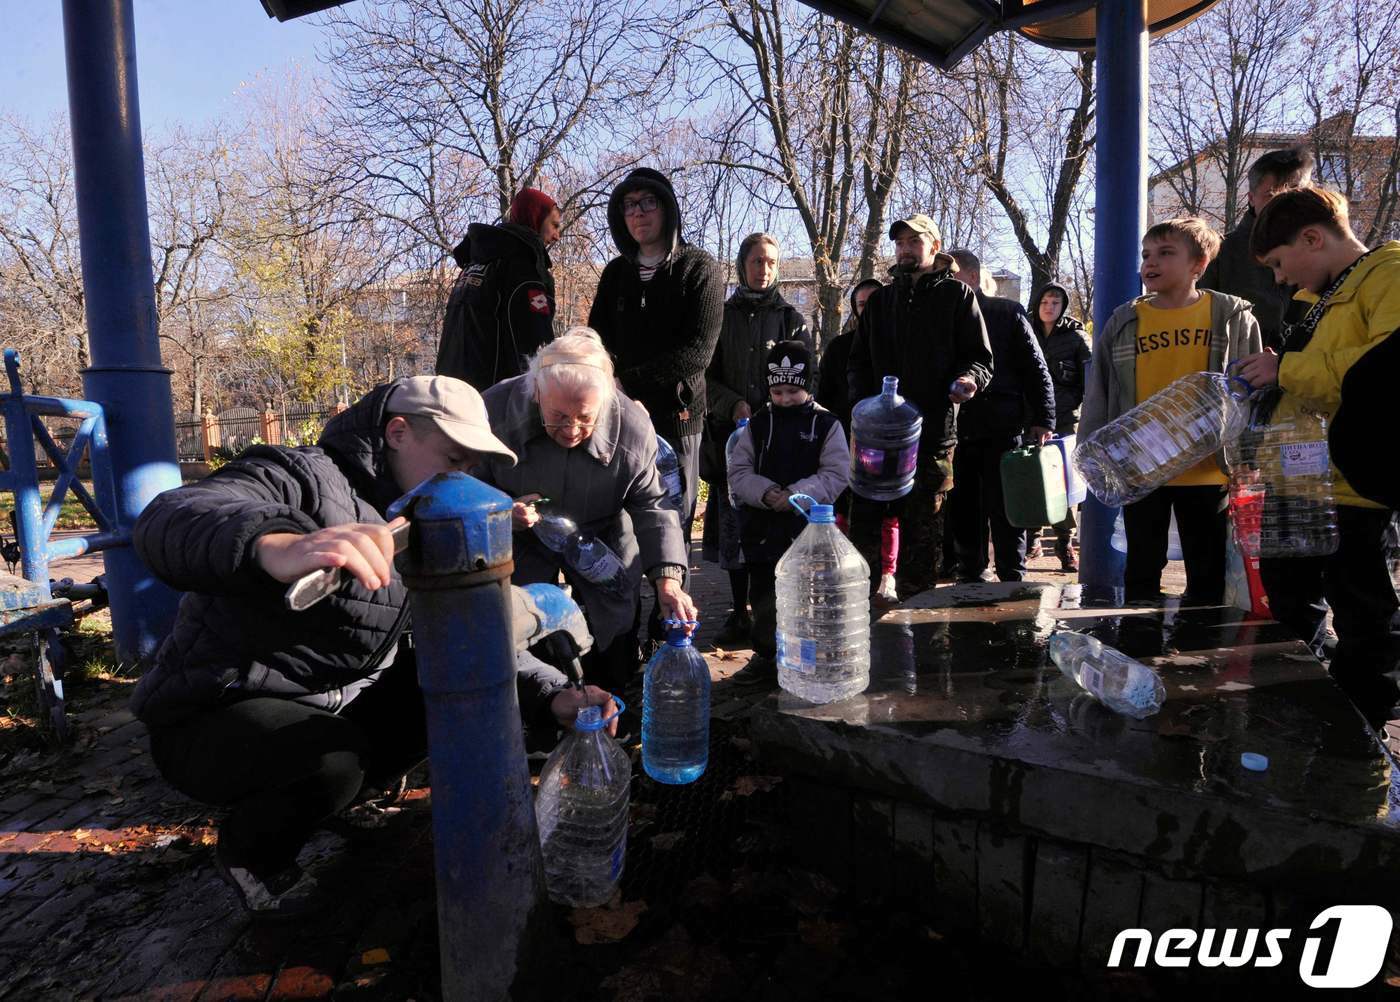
x=730 y=445
x=586 y=554
x=676 y=710
x=581 y=811
x=1162 y=437
x=1110 y=676
x=1282 y=463
x=668 y=465
x=885 y=444
x=823 y=594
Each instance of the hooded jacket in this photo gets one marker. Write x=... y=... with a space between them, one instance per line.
x=233 y=638
x=1020 y=394
x=1359 y=316
x=1066 y=352
x=608 y=484
x=1235 y=272
x=928 y=330
x=502 y=306
x=662 y=332
x=1111 y=388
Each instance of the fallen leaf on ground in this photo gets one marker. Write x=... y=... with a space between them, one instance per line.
x=378 y=955
x=608 y=924
x=746 y=786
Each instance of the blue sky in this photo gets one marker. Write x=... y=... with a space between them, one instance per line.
x=191 y=56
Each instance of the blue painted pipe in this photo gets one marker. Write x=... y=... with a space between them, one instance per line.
x=490 y=878
x=1120 y=217
x=125 y=374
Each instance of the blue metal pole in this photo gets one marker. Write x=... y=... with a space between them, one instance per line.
x=125 y=374
x=490 y=878
x=1120 y=216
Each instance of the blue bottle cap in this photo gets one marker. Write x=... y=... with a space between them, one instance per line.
x=676 y=635
x=1253 y=761
x=590 y=718
x=821 y=513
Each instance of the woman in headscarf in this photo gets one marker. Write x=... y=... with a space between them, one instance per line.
x=756 y=317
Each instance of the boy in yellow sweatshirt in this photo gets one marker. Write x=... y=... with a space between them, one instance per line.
x=1305 y=236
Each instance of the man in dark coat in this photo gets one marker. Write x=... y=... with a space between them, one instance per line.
x=502 y=307
x=925 y=328
x=756 y=317
x=1066 y=352
x=1235 y=271
x=989 y=425
x=285 y=718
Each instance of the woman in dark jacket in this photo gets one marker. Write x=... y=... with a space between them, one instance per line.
x=833 y=392
x=592 y=451
x=502 y=308
x=1066 y=352
x=756 y=317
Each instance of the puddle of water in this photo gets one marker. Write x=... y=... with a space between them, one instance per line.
x=962 y=671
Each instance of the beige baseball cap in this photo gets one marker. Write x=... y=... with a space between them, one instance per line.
x=454 y=406
x=919 y=223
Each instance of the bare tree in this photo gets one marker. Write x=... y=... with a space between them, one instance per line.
x=1353 y=99
x=1030 y=116
x=1223 y=77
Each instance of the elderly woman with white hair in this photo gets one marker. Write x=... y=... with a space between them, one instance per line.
x=592 y=450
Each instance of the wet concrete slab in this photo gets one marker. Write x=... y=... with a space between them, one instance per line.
x=966 y=715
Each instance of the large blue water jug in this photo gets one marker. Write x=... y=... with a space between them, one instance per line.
x=885 y=444
x=581 y=810
x=729 y=446
x=668 y=465
x=676 y=710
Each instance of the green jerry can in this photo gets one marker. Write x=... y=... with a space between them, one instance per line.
x=1033 y=483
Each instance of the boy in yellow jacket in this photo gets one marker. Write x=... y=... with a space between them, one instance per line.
x=1305 y=236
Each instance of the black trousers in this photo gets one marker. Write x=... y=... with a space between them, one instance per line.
x=1201 y=523
x=763 y=595
x=977 y=503
x=921 y=514
x=281 y=768
x=1355 y=581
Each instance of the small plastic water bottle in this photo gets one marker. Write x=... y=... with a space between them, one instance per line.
x=581 y=810
x=1117 y=681
x=1162 y=437
x=730 y=445
x=676 y=710
x=885 y=433
x=823 y=593
x=586 y=554
x=668 y=465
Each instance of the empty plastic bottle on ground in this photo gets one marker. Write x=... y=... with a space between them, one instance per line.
x=1283 y=462
x=823 y=592
x=729 y=446
x=584 y=553
x=581 y=810
x=668 y=465
x=1162 y=437
x=676 y=710
x=885 y=444
x=1110 y=676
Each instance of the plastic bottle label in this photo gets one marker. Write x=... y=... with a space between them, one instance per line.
x=884 y=463
x=1091 y=679
x=1303 y=459
x=805 y=661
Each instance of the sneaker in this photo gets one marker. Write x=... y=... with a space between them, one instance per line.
x=288 y=894
x=1068 y=563
x=1034 y=552
x=760 y=673
x=736 y=631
